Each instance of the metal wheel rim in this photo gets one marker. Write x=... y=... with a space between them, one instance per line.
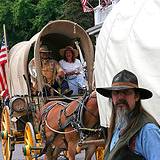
x=29 y=138
x=5 y=126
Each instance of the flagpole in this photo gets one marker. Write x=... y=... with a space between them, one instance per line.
x=5 y=38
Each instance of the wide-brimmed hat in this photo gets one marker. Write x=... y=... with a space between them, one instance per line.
x=68 y=48
x=125 y=80
x=44 y=49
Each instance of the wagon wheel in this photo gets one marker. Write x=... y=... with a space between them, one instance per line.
x=6 y=134
x=29 y=141
x=100 y=153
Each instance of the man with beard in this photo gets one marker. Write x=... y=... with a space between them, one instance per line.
x=53 y=75
x=133 y=134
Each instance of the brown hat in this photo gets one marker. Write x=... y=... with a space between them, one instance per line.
x=44 y=49
x=125 y=80
x=68 y=48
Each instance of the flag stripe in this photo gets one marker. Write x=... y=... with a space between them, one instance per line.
x=84 y=2
x=3 y=61
x=3 y=57
x=85 y=7
x=3 y=83
x=3 y=49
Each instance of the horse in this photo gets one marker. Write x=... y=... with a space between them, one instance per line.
x=63 y=126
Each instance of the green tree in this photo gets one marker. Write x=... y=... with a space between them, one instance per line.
x=24 y=18
x=46 y=11
x=23 y=13
x=5 y=15
x=73 y=11
x=17 y=16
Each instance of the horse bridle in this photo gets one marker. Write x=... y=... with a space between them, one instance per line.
x=75 y=122
x=88 y=110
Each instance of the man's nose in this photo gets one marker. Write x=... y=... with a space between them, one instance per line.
x=121 y=94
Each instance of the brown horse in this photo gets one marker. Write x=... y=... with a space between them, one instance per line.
x=62 y=126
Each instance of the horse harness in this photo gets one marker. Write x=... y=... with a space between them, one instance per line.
x=74 y=119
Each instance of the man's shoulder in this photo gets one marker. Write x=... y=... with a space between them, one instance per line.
x=150 y=129
x=150 y=126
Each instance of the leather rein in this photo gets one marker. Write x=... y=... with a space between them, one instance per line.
x=76 y=118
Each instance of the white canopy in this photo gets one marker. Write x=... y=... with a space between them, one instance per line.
x=17 y=71
x=130 y=39
x=57 y=34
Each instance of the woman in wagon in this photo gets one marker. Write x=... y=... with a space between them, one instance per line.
x=73 y=69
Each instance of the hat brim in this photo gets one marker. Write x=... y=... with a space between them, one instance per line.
x=45 y=51
x=107 y=92
x=75 y=51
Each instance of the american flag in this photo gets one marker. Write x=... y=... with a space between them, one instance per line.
x=85 y=6
x=3 y=61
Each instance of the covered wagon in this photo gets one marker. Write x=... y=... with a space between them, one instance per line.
x=19 y=121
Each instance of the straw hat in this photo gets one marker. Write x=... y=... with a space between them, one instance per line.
x=68 y=48
x=125 y=80
x=44 y=49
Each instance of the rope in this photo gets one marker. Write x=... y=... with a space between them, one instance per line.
x=68 y=97
x=74 y=130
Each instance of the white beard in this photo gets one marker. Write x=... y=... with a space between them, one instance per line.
x=121 y=120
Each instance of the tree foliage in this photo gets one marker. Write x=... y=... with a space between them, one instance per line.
x=73 y=11
x=24 y=18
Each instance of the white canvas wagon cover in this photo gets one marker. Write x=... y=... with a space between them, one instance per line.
x=17 y=72
x=130 y=39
